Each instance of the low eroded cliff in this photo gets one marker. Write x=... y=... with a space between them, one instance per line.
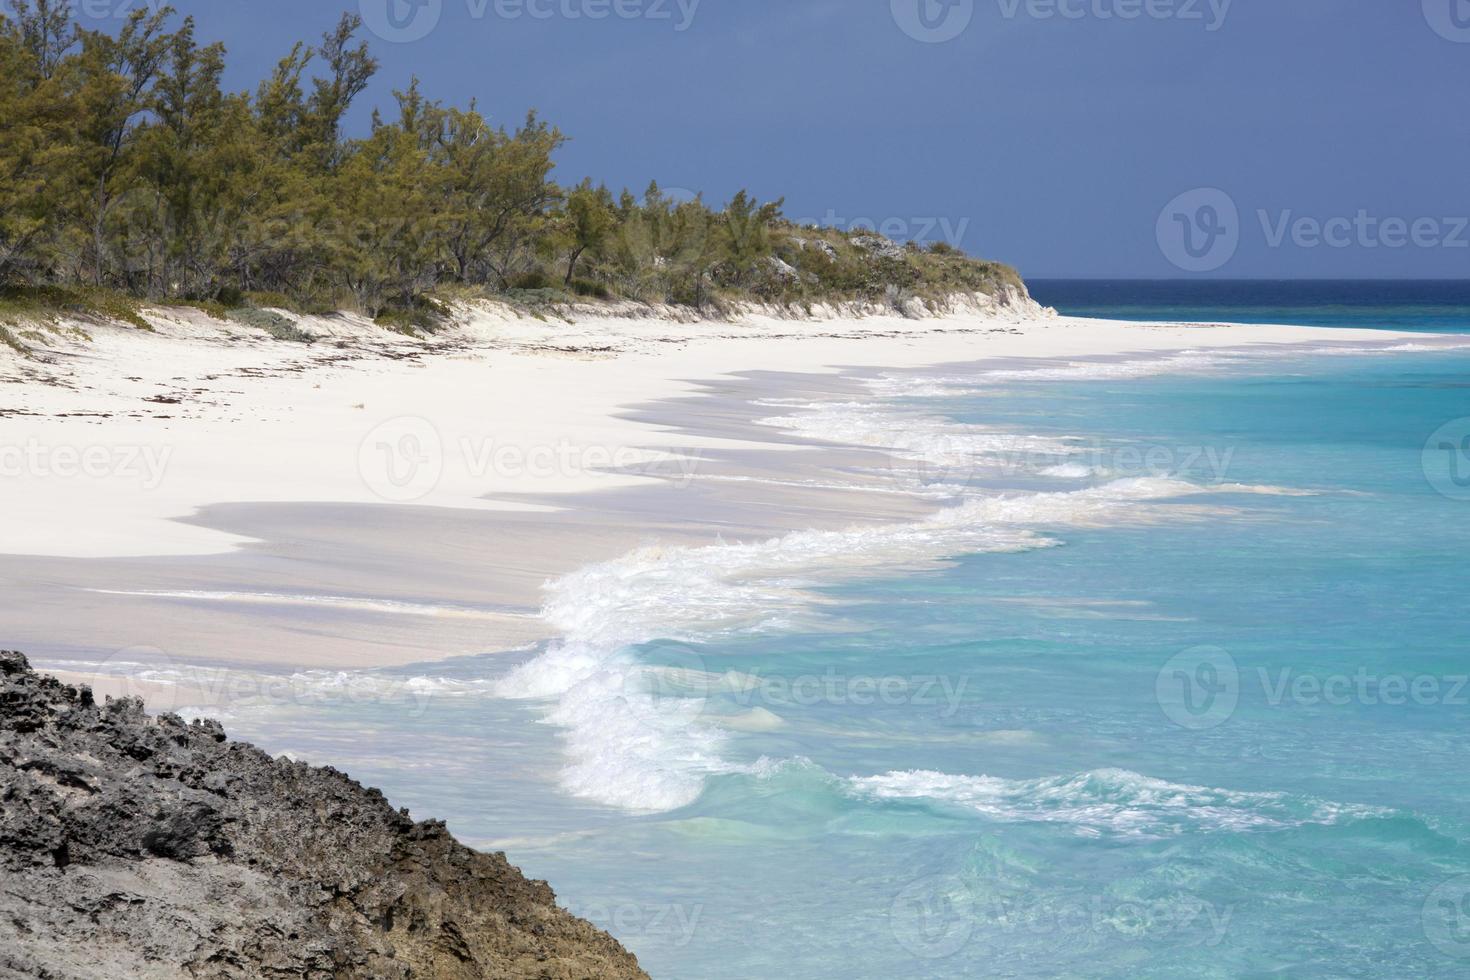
x=133 y=846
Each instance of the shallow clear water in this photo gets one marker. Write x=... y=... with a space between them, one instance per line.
x=1162 y=714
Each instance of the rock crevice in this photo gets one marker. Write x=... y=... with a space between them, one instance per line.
x=133 y=846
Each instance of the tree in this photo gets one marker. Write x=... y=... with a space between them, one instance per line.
x=744 y=233
x=125 y=163
x=114 y=78
x=588 y=223
x=188 y=156
x=37 y=151
x=349 y=69
x=45 y=31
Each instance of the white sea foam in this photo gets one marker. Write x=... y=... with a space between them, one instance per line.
x=392 y=607
x=936 y=491
x=242 y=688
x=1183 y=362
x=946 y=449
x=1069 y=471
x=1409 y=347
x=631 y=729
x=1108 y=801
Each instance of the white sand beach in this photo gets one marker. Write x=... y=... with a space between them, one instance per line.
x=372 y=499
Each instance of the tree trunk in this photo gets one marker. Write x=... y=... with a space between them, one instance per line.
x=572 y=264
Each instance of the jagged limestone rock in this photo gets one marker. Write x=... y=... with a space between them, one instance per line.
x=133 y=846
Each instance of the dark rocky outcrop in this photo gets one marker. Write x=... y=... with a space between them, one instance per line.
x=133 y=846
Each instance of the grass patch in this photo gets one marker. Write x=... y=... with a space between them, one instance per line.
x=425 y=317
x=13 y=342
x=278 y=326
x=47 y=304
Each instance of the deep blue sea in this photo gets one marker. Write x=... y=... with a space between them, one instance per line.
x=1438 y=305
x=1176 y=684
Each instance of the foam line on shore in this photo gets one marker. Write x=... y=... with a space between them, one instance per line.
x=630 y=723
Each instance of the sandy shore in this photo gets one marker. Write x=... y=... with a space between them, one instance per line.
x=207 y=494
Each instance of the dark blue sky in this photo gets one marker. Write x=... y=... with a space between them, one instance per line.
x=1052 y=142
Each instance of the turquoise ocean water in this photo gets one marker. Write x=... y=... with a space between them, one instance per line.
x=1176 y=685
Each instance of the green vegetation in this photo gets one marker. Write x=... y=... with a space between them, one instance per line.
x=128 y=174
x=49 y=303
x=9 y=339
x=278 y=326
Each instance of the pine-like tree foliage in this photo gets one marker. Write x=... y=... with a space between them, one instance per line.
x=125 y=165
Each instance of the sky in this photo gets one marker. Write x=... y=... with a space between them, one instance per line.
x=1070 y=138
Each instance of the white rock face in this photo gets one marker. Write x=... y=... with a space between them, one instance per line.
x=878 y=247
